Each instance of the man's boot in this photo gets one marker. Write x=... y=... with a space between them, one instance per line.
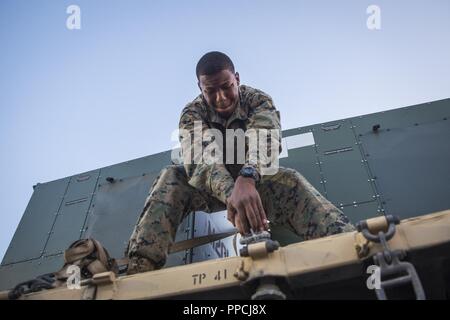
x=139 y=264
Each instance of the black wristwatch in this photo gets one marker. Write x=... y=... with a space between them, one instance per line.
x=249 y=172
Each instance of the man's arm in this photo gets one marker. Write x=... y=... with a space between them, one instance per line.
x=264 y=118
x=245 y=207
x=212 y=178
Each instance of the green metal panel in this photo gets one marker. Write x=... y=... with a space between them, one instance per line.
x=362 y=211
x=13 y=274
x=117 y=204
x=136 y=167
x=33 y=230
x=346 y=178
x=411 y=166
x=305 y=161
x=333 y=135
x=70 y=220
x=403 y=117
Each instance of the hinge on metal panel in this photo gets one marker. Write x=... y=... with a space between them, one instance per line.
x=400 y=272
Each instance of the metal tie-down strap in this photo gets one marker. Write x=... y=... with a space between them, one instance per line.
x=389 y=261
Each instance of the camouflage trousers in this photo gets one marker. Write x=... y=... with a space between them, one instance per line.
x=288 y=199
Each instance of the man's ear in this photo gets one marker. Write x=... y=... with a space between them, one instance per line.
x=238 y=80
x=198 y=84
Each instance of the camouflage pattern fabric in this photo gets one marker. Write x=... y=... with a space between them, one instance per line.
x=288 y=199
x=287 y=196
x=255 y=110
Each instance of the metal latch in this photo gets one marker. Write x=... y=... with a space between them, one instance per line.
x=389 y=260
x=257 y=246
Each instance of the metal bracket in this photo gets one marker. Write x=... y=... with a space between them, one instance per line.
x=258 y=245
x=389 y=260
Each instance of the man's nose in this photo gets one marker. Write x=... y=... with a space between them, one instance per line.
x=220 y=96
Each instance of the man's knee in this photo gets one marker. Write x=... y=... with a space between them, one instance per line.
x=172 y=172
x=169 y=178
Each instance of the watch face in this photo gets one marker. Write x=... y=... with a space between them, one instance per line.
x=247 y=172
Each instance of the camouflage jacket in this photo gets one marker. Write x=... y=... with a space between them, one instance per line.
x=255 y=110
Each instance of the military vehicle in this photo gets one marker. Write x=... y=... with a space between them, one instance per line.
x=388 y=171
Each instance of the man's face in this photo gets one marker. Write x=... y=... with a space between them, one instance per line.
x=221 y=91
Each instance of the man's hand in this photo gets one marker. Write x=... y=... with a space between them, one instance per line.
x=245 y=209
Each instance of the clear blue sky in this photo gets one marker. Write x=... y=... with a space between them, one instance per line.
x=76 y=100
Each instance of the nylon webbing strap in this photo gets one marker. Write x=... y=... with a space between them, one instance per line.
x=195 y=242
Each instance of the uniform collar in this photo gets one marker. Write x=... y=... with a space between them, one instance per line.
x=240 y=112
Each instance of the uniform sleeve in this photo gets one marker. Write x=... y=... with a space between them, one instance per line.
x=264 y=118
x=213 y=178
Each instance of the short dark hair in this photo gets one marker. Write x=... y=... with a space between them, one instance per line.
x=213 y=62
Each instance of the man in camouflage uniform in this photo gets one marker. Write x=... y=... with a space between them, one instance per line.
x=285 y=198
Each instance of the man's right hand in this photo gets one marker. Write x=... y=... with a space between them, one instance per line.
x=244 y=207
